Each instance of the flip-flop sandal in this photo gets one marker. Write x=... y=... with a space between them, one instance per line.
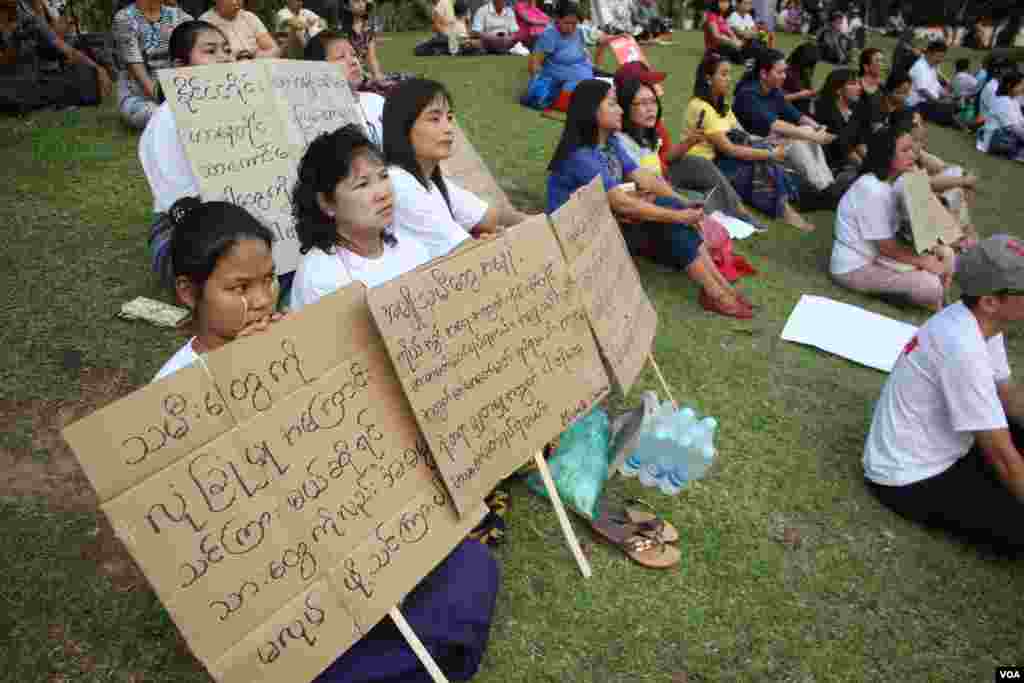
x=645 y=551
x=641 y=513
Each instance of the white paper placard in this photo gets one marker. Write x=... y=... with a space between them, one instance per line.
x=848 y=331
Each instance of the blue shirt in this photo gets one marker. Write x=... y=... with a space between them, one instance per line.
x=567 y=61
x=580 y=168
x=757 y=111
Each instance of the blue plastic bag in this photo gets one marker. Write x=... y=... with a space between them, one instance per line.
x=580 y=464
x=540 y=92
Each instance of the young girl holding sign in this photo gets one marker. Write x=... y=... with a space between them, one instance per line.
x=224 y=272
x=343 y=206
x=193 y=43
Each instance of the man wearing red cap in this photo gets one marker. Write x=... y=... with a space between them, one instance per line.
x=945 y=439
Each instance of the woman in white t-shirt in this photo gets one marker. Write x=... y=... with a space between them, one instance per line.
x=170 y=176
x=1005 y=115
x=343 y=206
x=418 y=136
x=867 y=255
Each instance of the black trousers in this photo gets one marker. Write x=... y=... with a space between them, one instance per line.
x=968 y=499
x=942 y=113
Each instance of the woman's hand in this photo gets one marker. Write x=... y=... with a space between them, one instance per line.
x=933 y=264
x=691 y=216
x=807 y=93
x=695 y=137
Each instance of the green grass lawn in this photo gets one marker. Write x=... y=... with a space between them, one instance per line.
x=791 y=570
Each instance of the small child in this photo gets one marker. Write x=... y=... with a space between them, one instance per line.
x=223 y=273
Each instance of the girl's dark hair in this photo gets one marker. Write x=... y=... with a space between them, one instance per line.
x=837 y=79
x=1008 y=82
x=327 y=161
x=702 y=88
x=882 y=150
x=867 y=57
x=401 y=109
x=581 y=120
x=804 y=58
x=648 y=137
x=184 y=36
x=714 y=9
x=346 y=18
x=567 y=8
x=765 y=58
x=316 y=48
x=204 y=231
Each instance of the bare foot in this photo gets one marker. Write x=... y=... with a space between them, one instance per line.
x=796 y=220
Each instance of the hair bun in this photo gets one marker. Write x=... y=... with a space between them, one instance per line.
x=180 y=210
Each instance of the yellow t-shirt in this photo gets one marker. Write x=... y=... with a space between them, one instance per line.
x=713 y=123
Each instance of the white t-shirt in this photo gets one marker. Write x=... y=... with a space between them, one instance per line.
x=285 y=15
x=738 y=22
x=373 y=109
x=868 y=212
x=184 y=357
x=941 y=390
x=423 y=214
x=320 y=273
x=487 y=20
x=1005 y=111
x=925 y=77
x=164 y=162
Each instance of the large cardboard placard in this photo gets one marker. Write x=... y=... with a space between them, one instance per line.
x=623 y=319
x=930 y=222
x=494 y=352
x=470 y=172
x=266 y=492
x=245 y=126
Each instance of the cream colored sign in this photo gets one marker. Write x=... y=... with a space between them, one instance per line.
x=245 y=126
x=623 y=319
x=494 y=352
x=245 y=484
x=930 y=222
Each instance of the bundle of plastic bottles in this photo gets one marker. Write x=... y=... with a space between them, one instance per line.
x=674 y=447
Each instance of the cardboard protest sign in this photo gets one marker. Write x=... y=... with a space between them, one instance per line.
x=245 y=126
x=469 y=171
x=494 y=352
x=930 y=222
x=622 y=317
x=242 y=483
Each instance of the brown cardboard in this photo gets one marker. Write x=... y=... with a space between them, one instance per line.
x=621 y=315
x=245 y=125
x=494 y=352
x=237 y=528
x=468 y=171
x=930 y=222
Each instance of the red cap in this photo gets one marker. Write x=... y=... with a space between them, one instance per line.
x=637 y=71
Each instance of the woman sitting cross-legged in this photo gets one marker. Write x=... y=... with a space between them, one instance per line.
x=1003 y=132
x=834 y=109
x=418 y=136
x=868 y=255
x=754 y=171
x=642 y=137
x=655 y=220
x=343 y=206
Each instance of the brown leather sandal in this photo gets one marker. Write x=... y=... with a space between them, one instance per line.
x=641 y=513
x=642 y=549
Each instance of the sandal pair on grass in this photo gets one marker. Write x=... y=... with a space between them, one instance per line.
x=633 y=527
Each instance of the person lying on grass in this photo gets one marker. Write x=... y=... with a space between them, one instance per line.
x=868 y=255
x=753 y=168
x=224 y=274
x=655 y=221
x=944 y=448
x=419 y=132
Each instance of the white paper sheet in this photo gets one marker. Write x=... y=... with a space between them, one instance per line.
x=738 y=229
x=848 y=331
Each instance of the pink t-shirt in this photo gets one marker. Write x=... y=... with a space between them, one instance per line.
x=719 y=22
x=532 y=21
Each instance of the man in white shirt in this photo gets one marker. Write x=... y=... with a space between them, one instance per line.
x=941 y=450
x=496 y=26
x=930 y=95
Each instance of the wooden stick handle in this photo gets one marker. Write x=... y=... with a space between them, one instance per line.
x=414 y=642
x=661 y=378
x=563 y=518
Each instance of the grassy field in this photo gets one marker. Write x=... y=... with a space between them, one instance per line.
x=791 y=570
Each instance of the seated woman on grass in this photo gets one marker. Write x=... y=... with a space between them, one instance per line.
x=418 y=136
x=834 y=109
x=357 y=25
x=167 y=169
x=224 y=274
x=754 y=171
x=246 y=32
x=1005 y=122
x=868 y=255
x=343 y=206
x=641 y=126
x=660 y=226
x=560 y=53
